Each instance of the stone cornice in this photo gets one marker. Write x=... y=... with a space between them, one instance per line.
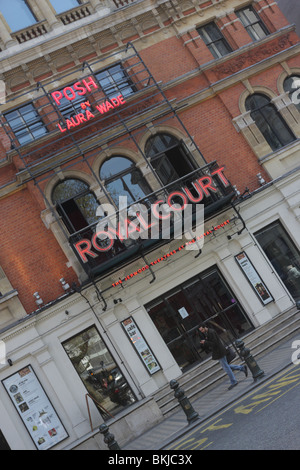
x=112 y=23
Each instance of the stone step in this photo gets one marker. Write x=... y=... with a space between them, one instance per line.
x=202 y=377
x=252 y=340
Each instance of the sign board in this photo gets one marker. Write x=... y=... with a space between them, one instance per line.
x=183 y=312
x=254 y=279
x=35 y=409
x=140 y=345
x=77 y=90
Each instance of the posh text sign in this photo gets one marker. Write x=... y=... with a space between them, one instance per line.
x=77 y=90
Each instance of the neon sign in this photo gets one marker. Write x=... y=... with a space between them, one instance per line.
x=203 y=187
x=170 y=254
x=78 y=89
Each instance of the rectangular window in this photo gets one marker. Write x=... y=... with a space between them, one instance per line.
x=115 y=81
x=97 y=369
x=68 y=108
x=17 y=14
x=26 y=124
x=64 y=5
x=283 y=255
x=252 y=23
x=214 y=40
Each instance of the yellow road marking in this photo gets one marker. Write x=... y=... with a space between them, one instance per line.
x=282 y=380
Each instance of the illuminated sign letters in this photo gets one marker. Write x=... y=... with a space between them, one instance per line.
x=122 y=227
x=79 y=89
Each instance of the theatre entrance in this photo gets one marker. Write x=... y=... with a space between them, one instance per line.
x=178 y=313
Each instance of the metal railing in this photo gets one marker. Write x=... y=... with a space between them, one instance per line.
x=75 y=14
x=123 y=3
x=123 y=250
x=31 y=32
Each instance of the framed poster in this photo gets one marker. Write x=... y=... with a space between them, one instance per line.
x=253 y=277
x=37 y=413
x=140 y=345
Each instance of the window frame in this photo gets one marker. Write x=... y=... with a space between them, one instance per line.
x=79 y=2
x=100 y=372
x=211 y=44
x=292 y=90
x=259 y=110
x=291 y=254
x=60 y=204
x=119 y=175
x=250 y=27
x=26 y=124
x=115 y=85
x=14 y=30
x=69 y=109
x=160 y=159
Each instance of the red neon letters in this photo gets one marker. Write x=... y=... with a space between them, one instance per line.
x=168 y=255
x=204 y=186
x=80 y=88
x=70 y=92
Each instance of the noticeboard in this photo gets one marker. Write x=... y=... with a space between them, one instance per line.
x=253 y=278
x=141 y=346
x=34 y=407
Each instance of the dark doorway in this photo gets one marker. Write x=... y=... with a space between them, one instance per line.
x=169 y=157
x=178 y=313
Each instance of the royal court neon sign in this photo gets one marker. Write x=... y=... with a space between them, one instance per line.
x=145 y=223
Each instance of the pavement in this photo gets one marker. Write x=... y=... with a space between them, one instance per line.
x=173 y=427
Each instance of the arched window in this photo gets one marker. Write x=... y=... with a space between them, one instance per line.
x=122 y=178
x=269 y=121
x=75 y=203
x=169 y=157
x=291 y=85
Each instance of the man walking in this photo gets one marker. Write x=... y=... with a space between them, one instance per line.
x=218 y=349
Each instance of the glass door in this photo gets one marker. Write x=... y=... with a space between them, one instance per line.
x=176 y=320
x=178 y=313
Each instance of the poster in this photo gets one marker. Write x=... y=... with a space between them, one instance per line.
x=141 y=346
x=183 y=312
x=35 y=409
x=254 y=279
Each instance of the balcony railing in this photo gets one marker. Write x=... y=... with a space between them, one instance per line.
x=75 y=14
x=31 y=32
x=123 y=3
x=102 y=255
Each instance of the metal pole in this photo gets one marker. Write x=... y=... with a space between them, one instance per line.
x=184 y=402
x=109 y=438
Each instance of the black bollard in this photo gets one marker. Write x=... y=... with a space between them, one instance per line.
x=109 y=438
x=254 y=368
x=184 y=402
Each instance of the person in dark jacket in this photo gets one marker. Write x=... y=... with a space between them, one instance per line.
x=218 y=350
